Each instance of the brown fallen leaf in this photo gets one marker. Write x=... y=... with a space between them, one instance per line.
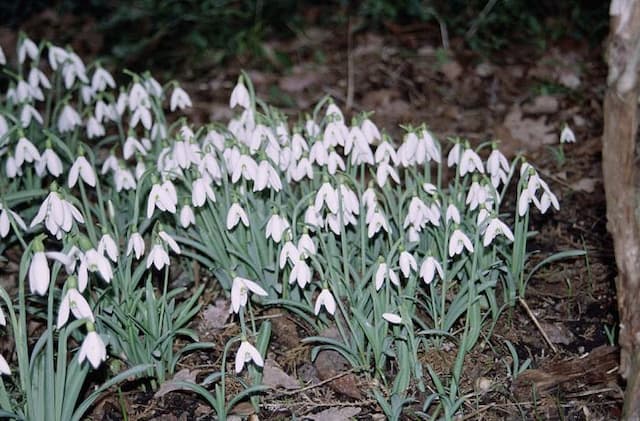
x=335 y=414
x=518 y=133
x=273 y=376
x=298 y=82
x=284 y=329
x=184 y=375
x=587 y=185
x=451 y=70
x=216 y=316
x=543 y=104
x=330 y=363
x=558 y=333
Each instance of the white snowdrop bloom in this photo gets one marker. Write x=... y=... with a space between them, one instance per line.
x=23 y=92
x=369 y=197
x=334 y=223
x=187 y=217
x=4 y=366
x=179 y=99
x=548 y=199
x=158 y=257
x=75 y=303
x=495 y=228
x=4 y=127
x=39 y=273
x=452 y=214
x=384 y=272
x=497 y=162
x=240 y=96
x=101 y=80
x=433 y=214
x=523 y=202
x=325 y=298
x=236 y=214
x=301 y=170
x=430 y=266
x=312 y=217
x=173 y=245
x=3 y=319
x=93 y=349
x=124 y=179
x=289 y=253
x=362 y=153
x=121 y=103
x=319 y=154
x=370 y=131
x=26 y=49
x=162 y=198
x=408 y=153
x=68 y=259
x=25 y=152
x=141 y=115
x=108 y=245
x=104 y=111
x=95 y=262
x=383 y=172
x=407 y=263
x=392 y=318
x=209 y=165
x=136 y=245
x=79 y=66
x=182 y=154
x=71 y=71
x=476 y=196
x=329 y=196
x=334 y=162
x=140 y=170
x=413 y=235
x=246 y=353
x=470 y=162
x=483 y=215
x=276 y=226
x=29 y=113
x=153 y=86
x=312 y=128
x=5 y=222
x=240 y=292
x=386 y=153
x=458 y=242
x=131 y=146
x=298 y=146
x=567 y=135
x=94 y=128
x=87 y=94
x=306 y=246
x=57 y=214
x=137 y=97
x=68 y=119
x=429 y=143
x=201 y=190
x=301 y=273
x=12 y=168
x=350 y=203
x=260 y=135
x=454 y=155
x=3 y=58
x=81 y=168
x=376 y=222
x=56 y=56
x=335 y=133
x=355 y=136
x=267 y=176
x=246 y=167
x=416 y=214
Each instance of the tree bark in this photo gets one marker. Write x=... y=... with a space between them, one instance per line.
x=621 y=186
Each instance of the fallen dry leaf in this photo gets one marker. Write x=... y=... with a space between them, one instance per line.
x=543 y=104
x=330 y=363
x=518 y=133
x=558 y=333
x=298 y=82
x=451 y=70
x=273 y=376
x=184 y=375
x=216 y=316
x=335 y=414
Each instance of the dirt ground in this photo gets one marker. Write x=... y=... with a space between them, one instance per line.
x=522 y=96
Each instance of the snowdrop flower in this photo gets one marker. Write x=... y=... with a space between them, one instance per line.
x=301 y=170
x=312 y=217
x=370 y=131
x=246 y=167
x=75 y=303
x=170 y=242
x=497 y=167
x=82 y=168
x=240 y=96
x=458 y=242
x=68 y=119
x=3 y=319
x=4 y=367
x=141 y=115
x=494 y=228
x=187 y=217
x=29 y=113
x=246 y=353
x=523 y=202
x=131 y=146
x=267 y=176
x=546 y=200
x=319 y=154
x=137 y=97
x=376 y=222
x=327 y=194
x=107 y=244
x=385 y=170
x=179 y=99
x=5 y=222
x=25 y=152
x=477 y=195
x=27 y=48
x=567 y=135
x=101 y=79
x=58 y=215
x=163 y=197
x=56 y=56
x=94 y=128
x=386 y=153
x=158 y=257
x=433 y=151
x=236 y=214
x=39 y=273
x=452 y=214
x=325 y=298
x=407 y=153
x=334 y=162
x=93 y=348
x=3 y=58
x=301 y=273
x=382 y=273
x=306 y=246
x=392 y=318
x=276 y=227
x=407 y=263
x=124 y=180
x=92 y=261
x=289 y=253
x=135 y=245
x=240 y=292
x=429 y=268
x=483 y=215
x=454 y=155
x=470 y=162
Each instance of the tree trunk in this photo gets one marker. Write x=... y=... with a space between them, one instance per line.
x=621 y=185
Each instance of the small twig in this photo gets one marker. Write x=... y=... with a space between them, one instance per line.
x=535 y=322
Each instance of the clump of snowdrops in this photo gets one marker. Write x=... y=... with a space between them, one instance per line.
x=401 y=245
